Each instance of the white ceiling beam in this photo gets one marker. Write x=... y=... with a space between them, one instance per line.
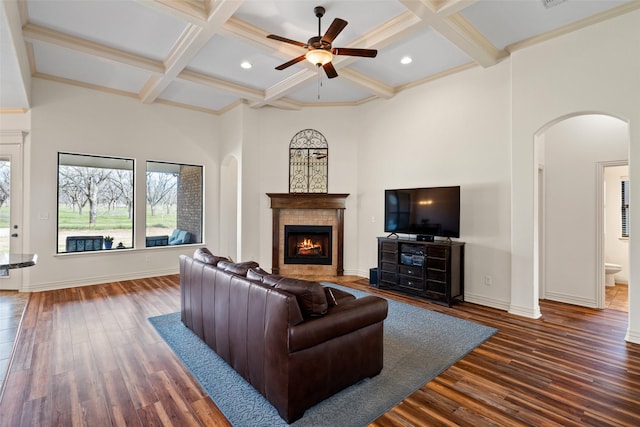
x=288 y=85
x=18 y=66
x=449 y=7
x=236 y=89
x=255 y=36
x=282 y=103
x=367 y=83
x=192 y=40
x=35 y=33
x=458 y=31
x=189 y=11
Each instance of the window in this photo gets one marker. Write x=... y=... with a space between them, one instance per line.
x=624 y=198
x=95 y=202
x=174 y=204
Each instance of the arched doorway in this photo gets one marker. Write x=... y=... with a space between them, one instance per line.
x=569 y=232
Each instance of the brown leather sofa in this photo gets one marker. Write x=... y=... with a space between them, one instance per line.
x=295 y=341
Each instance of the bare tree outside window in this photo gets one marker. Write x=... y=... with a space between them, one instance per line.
x=95 y=200
x=5 y=182
x=174 y=204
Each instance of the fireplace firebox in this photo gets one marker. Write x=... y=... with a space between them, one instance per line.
x=307 y=244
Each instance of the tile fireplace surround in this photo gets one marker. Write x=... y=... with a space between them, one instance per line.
x=307 y=209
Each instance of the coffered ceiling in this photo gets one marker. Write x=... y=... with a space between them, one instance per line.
x=189 y=52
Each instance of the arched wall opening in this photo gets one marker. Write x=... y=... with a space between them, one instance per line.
x=570 y=154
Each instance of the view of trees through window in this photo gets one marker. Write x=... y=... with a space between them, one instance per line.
x=174 y=204
x=96 y=203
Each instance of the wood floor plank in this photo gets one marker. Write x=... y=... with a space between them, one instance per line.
x=89 y=356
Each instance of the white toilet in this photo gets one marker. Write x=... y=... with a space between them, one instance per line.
x=609 y=271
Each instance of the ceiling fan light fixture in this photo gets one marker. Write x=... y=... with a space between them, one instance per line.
x=319 y=57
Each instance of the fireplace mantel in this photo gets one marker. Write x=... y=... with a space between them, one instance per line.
x=307 y=201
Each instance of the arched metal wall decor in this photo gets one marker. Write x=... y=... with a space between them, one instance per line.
x=308 y=162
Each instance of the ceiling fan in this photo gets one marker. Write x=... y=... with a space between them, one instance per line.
x=320 y=51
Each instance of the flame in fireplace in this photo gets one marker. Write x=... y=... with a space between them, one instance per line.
x=308 y=247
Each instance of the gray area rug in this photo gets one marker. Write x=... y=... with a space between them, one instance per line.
x=418 y=345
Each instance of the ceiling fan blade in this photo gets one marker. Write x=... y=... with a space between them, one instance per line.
x=367 y=53
x=334 y=29
x=330 y=70
x=286 y=40
x=290 y=63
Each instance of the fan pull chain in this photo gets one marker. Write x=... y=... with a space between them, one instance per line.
x=319 y=81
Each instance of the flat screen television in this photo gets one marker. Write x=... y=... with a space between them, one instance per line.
x=433 y=211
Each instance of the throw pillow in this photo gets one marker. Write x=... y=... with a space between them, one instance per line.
x=310 y=295
x=204 y=255
x=257 y=274
x=240 y=268
x=271 y=279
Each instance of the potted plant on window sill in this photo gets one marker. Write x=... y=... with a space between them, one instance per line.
x=108 y=242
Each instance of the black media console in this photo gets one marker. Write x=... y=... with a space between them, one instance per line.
x=433 y=270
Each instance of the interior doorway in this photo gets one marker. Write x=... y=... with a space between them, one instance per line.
x=613 y=248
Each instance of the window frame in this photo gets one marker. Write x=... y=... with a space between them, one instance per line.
x=195 y=230
x=91 y=240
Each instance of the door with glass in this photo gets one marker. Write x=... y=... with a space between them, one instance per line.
x=11 y=204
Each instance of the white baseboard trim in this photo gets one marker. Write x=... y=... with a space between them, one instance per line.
x=487 y=302
x=50 y=286
x=571 y=299
x=632 y=336
x=531 y=313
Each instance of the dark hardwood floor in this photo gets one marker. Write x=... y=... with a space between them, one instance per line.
x=88 y=356
x=12 y=304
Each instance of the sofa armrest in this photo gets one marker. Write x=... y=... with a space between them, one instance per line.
x=341 y=320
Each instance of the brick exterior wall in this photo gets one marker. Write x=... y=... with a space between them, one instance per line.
x=189 y=209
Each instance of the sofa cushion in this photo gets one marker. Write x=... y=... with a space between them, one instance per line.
x=239 y=268
x=257 y=274
x=204 y=255
x=339 y=295
x=271 y=279
x=310 y=295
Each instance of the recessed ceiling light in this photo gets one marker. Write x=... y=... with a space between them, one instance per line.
x=246 y=65
x=406 y=60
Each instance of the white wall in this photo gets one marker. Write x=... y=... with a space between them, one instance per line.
x=573 y=147
x=454 y=131
x=616 y=248
x=268 y=133
x=72 y=119
x=596 y=69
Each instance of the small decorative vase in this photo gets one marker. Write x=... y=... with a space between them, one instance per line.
x=107 y=245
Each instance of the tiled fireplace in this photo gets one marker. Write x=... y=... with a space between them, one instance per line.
x=308 y=233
